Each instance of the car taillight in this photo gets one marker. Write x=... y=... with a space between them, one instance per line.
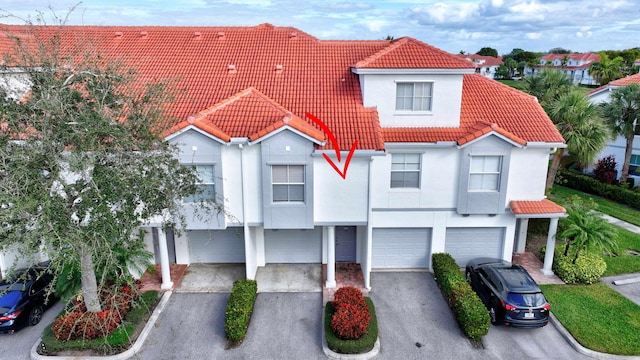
x=547 y=306
x=509 y=307
x=11 y=316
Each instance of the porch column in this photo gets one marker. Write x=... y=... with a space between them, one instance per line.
x=551 y=245
x=164 y=260
x=521 y=236
x=331 y=257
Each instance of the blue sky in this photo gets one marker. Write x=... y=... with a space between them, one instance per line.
x=468 y=25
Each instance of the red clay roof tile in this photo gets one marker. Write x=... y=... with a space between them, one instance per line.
x=544 y=206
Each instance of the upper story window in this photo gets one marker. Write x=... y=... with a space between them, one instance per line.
x=405 y=170
x=484 y=173
x=288 y=183
x=206 y=184
x=412 y=96
x=635 y=160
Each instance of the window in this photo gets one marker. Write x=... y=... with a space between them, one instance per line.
x=414 y=96
x=484 y=173
x=635 y=160
x=206 y=185
x=405 y=170
x=288 y=183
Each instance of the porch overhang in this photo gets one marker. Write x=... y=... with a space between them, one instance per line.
x=541 y=209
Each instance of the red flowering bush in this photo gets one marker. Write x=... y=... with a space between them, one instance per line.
x=351 y=317
x=87 y=325
x=78 y=323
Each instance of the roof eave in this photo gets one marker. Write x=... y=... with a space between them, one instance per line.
x=377 y=71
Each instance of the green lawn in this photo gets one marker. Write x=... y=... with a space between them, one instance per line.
x=598 y=317
x=513 y=83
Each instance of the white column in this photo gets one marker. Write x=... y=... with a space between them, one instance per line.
x=521 y=237
x=164 y=260
x=331 y=257
x=551 y=245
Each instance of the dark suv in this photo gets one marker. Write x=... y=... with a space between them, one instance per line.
x=508 y=291
x=24 y=295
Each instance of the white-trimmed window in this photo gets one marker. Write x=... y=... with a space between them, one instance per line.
x=405 y=170
x=414 y=96
x=206 y=184
x=635 y=160
x=288 y=183
x=484 y=173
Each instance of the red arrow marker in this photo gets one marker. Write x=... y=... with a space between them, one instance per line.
x=333 y=140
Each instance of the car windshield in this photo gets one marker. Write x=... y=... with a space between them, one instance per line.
x=526 y=300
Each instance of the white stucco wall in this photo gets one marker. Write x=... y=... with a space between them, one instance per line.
x=338 y=200
x=380 y=91
x=527 y=174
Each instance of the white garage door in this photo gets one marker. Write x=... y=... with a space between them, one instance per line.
x=465 y=244
x=217 y=246
x=293 y=246
x=401 y=248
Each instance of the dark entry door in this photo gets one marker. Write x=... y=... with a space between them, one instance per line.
x=345 y=243
x=171 y=245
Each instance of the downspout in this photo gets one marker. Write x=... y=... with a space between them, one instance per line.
x=245 y=225
x=369 y=235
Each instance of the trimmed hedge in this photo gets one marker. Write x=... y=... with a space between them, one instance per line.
x=590 y=185
x=362 y=345
x=471 y=313
x=351 y=315
x=239 y=309
x=588 y=269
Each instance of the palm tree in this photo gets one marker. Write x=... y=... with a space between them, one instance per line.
x=623 y=113
x=586 y=229
x=606 y=69
x=547 y=86
x=583 y=129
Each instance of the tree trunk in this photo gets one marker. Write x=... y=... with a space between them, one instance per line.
x=627 y=159
x=553 y=169
x=89 y=285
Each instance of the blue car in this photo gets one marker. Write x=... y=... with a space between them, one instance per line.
x=24 y=296
x=510 y=294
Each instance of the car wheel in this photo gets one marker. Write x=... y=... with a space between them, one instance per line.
x=493 y=315
x=35 y=315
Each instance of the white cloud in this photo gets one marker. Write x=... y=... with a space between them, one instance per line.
x=533 y=35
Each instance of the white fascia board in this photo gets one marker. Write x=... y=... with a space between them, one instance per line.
x=541 y=216
x=344 y=154
x=412 y=71
x=438 y=144
x=494 y=133
x=287 y=127
x=196 y=129
x=546 y=145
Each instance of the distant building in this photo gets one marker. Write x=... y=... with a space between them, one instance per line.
x=485 y=65
x=576 y=66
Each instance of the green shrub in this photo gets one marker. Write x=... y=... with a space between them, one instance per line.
x=362 y=345
x=589 y=267
x=471 y=313
x=587 y=184
x=239 y=309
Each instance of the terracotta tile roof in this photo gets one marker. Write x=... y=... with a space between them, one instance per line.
x=618 y=83
x=488 y=105
x=589 y=57
x=224 y=75
x=544 y=206
x=408 y=53
x=481 y=60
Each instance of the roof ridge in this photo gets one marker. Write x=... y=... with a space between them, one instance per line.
x=393 y=44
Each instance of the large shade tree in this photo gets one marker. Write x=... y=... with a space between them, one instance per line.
x=623 y=115
x=82 y=159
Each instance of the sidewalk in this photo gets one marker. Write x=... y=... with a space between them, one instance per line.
x=623 y=224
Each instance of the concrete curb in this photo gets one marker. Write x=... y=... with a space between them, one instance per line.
x=581 y=349
x=133 y=350
x=337 y=356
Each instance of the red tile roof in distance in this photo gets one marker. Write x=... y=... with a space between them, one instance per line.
x=631 y=79
x=488 y=105
x=289 y=71
x=544 y=206
x=482 y=60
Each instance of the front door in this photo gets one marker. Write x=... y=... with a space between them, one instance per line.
x=345 y=244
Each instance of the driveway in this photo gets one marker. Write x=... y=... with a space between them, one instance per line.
x=283 y=326
x=415 y=323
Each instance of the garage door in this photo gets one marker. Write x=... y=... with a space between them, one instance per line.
x=465 y=244
x=401 y=248
x=216 y=246
x=293 y=246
